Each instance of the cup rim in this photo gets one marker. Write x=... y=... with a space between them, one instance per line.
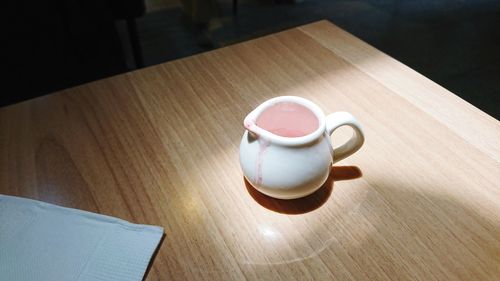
x=251 y=118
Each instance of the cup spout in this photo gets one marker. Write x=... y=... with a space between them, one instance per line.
x=250 y=123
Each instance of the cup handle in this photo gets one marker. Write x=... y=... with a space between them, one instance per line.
x=341 y=118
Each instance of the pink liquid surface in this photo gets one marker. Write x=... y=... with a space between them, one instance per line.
x=288 y=119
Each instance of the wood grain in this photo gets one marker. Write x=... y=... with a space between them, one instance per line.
x=420 y=200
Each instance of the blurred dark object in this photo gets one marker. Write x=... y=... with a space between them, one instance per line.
x=124 y=9
x=235 y=7
x=198 y=15
x=129 y=10
x=56 y=44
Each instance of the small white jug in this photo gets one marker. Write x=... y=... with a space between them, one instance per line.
x=293 y=167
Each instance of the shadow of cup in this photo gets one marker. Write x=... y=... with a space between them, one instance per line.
x=308 y=203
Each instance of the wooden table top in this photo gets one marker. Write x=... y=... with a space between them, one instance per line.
x=419 y=201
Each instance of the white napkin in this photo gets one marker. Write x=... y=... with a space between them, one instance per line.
x=41 y=241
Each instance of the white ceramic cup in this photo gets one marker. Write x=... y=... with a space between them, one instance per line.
x=293 y=167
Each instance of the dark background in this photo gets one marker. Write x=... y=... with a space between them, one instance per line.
x=52 y=45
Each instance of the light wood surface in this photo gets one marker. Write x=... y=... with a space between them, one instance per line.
x=420 y=200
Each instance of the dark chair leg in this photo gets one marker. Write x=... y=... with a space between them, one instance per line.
x=235 y=7
x=134 y=40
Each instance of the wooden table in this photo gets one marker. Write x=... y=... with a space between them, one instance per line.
x=420 y=200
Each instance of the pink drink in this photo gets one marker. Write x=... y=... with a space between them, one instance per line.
x=288 y=119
